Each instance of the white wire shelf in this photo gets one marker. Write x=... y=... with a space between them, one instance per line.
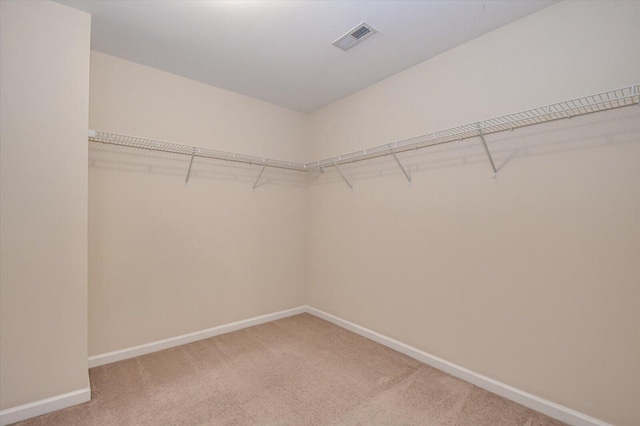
x=604 y=101
x=192 y=151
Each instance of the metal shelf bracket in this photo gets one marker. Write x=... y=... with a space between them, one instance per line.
x=486 y=148
x=341 y=174
x=186 y=181
x=406 y=173
x=255 y=185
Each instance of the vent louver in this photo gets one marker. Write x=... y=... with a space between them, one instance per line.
x=360 y=32
x=355 y=36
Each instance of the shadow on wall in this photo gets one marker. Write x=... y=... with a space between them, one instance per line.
x=620 y=126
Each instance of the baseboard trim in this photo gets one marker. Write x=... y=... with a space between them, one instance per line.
x=44 y=406
x=541 y=405
x=108 y=358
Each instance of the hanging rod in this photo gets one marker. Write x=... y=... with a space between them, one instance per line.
x=192 y=151
x=604 y=101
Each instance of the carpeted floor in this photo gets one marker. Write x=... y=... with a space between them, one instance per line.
x=296 y=371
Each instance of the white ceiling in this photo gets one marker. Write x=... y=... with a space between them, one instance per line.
x=281 y=51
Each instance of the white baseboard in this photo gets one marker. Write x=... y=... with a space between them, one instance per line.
x=44 y=406
x=541 y=405
x=107 y=358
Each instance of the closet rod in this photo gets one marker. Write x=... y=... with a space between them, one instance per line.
x=604 y=101
x=192 y=151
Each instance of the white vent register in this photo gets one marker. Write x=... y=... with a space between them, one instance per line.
x=354 y=36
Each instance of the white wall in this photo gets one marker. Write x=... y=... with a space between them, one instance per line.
x=531 y=278
x=165 y=259
x=43 y=190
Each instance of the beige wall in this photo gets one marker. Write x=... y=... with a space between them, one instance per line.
x=165 y=259
x=43 y=189
x=531 y=278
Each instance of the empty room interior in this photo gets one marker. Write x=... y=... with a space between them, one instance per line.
x=320 y=212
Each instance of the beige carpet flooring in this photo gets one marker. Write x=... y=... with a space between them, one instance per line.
x=296 y=371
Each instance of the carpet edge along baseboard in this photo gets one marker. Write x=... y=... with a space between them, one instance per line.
x=534 y=402
x=549 y=408
x=44 y=406
x=147 y=348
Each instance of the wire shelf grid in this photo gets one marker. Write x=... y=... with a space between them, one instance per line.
x=174 y=148
x=605 y=101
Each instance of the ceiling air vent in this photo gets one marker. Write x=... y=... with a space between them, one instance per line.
x=354 y=36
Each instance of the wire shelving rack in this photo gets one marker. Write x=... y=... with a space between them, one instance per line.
x=605 y=101
x=194 y=151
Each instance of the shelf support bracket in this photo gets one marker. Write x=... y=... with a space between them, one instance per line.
x=341 y=174
x=406 y=173
x=486 y=149
x=186 y=181
x=255 y=185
